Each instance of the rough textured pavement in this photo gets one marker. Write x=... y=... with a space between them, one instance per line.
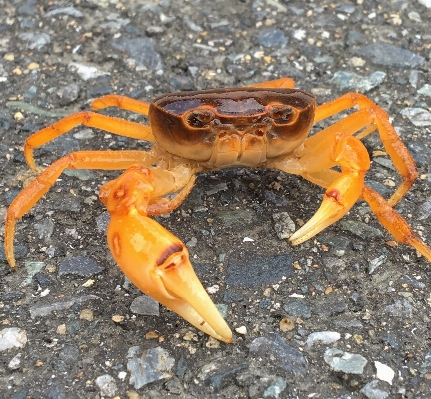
x=345 y=315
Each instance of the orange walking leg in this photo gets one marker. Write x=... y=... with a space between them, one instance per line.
x=378 y=119
x=91 y=119
x=394 y=222
x=122 y=102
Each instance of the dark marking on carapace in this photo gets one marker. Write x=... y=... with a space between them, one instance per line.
x=174 y=247
x=335 y=194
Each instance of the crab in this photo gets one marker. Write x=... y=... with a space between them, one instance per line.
x=261 y=126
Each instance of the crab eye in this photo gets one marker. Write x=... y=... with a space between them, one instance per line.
x=281 y=113
x=199 y=117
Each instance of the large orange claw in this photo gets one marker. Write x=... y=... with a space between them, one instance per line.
x=154 y=259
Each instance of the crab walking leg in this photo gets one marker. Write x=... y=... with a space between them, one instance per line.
x=152 y=258
x=282 y=83
x=164 y=205
x=394 y=222
x=27 y=198
x=110 y=124
x=122 y=102
x=376 y=116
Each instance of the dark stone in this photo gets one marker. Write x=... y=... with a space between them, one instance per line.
x=54 y=392
x=21 y=394
x=181 y=367
x=298 y=308
x=225 y=369
x=68 y=94
x=420 y=153
x=29 y=8
x=231 y=297
x=265 y=303
x=272 y=38
x=355 y=37
x=19 y=251
x=361 y=229
x=79 y=265
x=10 y=195
x=4 y=124
x=73 y=327
x=338 y=243
x=390 y=340
x=42 y=280
x=99 y=90
x=182 y=83
x=275 y=199
x=69 y=354
x=174 y=386
x=57 y=365
x=412 y=282
x=330 y=307
x=240 y=72
x=379 y=187
x=30 y=93
x=12 y=296
x=65 y=144
x=275 y=351
x=390 y=55
x=141 y=50
x=31 y=127
x=251 y=269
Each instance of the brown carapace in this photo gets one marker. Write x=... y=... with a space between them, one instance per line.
x=264 y=126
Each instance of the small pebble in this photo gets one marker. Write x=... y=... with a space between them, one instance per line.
x=61 y=329
x=117 y=318
x=212 y=343
x=286 y=325
x=151 y=335
x=15 y=363
x=241 y=330
x=18 y=116
x=86 y=314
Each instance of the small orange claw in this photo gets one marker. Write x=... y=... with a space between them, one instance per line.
x=154 y=259
x=341 y=195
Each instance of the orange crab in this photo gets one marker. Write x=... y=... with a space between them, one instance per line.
x=260 y=126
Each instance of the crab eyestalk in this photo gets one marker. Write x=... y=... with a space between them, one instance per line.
x=154 y=259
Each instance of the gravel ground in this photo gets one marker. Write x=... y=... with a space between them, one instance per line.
x=345 y=315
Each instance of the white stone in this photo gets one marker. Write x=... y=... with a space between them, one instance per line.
x=15 y=363
x=12 y=337
x=384 y=373
x=86 y=72
x=241 y=330
x=107 y=385
x=325 y=337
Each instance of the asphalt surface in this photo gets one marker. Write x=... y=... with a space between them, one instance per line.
x=344 y=315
